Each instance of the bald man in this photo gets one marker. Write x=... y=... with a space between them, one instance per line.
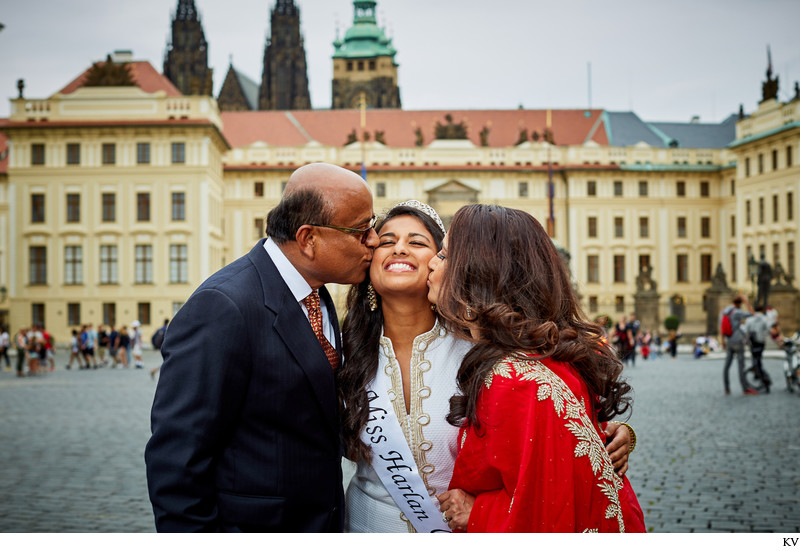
x=245 y=433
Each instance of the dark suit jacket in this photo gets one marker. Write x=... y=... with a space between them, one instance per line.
x=245 y=419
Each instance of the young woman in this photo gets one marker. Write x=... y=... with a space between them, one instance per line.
x=536 y=386
x=398 y=377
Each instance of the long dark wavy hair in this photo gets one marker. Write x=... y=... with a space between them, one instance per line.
x=361 y=332
x=504 y=277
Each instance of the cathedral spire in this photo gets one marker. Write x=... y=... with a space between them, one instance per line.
x=186 y=11
x=284 y=80
x=186 y=60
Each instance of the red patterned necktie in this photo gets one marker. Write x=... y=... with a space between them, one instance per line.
x=311 y=302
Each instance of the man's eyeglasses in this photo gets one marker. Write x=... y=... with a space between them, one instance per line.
x=363 y=232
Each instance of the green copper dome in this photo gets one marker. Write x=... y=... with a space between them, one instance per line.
x=364 y=39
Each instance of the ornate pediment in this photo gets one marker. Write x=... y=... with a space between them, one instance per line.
x=109 y=73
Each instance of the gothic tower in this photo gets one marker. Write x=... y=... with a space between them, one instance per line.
x=186 y=60
x=284 y=81
x=363 y=63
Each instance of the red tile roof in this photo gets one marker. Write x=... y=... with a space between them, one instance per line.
x=3 y=149
x=144 y=75
x=331 y=127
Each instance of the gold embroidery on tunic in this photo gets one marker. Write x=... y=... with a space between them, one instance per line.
x=573 y=411
x=414 y=422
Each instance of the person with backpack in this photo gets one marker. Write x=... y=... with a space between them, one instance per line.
x=758 y=329
x=734 y=340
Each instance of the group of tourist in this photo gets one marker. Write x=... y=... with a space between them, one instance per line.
x=93 y=348
x=89 y=348
x=466 y=383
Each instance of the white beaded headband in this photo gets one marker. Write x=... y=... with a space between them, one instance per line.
x=422 y=207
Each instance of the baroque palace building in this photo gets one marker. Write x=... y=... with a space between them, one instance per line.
x=119 y=194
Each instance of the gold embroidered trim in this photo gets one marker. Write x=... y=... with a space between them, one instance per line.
x=577 y=421
x=414 y=422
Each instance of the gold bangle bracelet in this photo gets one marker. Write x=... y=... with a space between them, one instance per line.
x=633 y=437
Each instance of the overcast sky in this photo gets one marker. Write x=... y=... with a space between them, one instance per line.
x=667 y=61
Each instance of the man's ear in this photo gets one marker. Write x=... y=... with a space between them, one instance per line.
x=306 y=238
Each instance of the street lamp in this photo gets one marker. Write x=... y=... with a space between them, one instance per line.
x=752 y=271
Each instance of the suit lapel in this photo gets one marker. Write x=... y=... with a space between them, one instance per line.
x=293 y=328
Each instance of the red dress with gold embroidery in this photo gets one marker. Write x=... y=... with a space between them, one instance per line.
x=538 y=462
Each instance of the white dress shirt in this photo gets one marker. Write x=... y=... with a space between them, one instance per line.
x=298 y=286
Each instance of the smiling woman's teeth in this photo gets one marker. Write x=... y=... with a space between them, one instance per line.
x=399 y=266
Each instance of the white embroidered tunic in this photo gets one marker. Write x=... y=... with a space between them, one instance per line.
x=435 y=360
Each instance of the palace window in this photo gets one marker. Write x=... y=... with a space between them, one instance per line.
x=143 y=207
x=37 y=154
x=522 y=189
x=790 y=257
x=760 y=210
x=593 y=268
x=380 y=190
x=774 y=208
x=682 y=261
x=617 y=189
x=258 y=228
x=681 y=226
x=788 y=156
x=705 y=267
x=73 y=153
x=178 y=264
x=73 y=313
x=143 y=312
x=178 y=153
x=143 y=153
x=619 y=227
x=109 y=153
x=109 y=313
x=593 y=304
x=108 y=264
x=73 y=265
x=733 y=225
x=143 y=264
x=37 y=268
x=733 y=267
x=644 y=262
x=37 y=207
x=109 y=207
x=747 y=219
x=591 y=188
x=774 y=159
x=619 y=303
x=680 y=188
x=73 y=207
x=790 y=206
x=258 y=189
x=704 y=189
x=37 y=314
x=705 y=226
x=619 y=268
x=761 y=163
x=644 y=226
x=178 y=206
x=592 y=226
x=747 y=166
x=643 y=188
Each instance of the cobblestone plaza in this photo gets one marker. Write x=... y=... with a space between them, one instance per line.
x=72 y=443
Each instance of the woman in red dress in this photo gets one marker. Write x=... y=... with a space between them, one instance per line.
x=538 y=386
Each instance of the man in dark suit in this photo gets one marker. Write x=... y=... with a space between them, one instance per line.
x=245 y=416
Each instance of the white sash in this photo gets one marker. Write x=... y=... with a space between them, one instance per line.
x=393 y=461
